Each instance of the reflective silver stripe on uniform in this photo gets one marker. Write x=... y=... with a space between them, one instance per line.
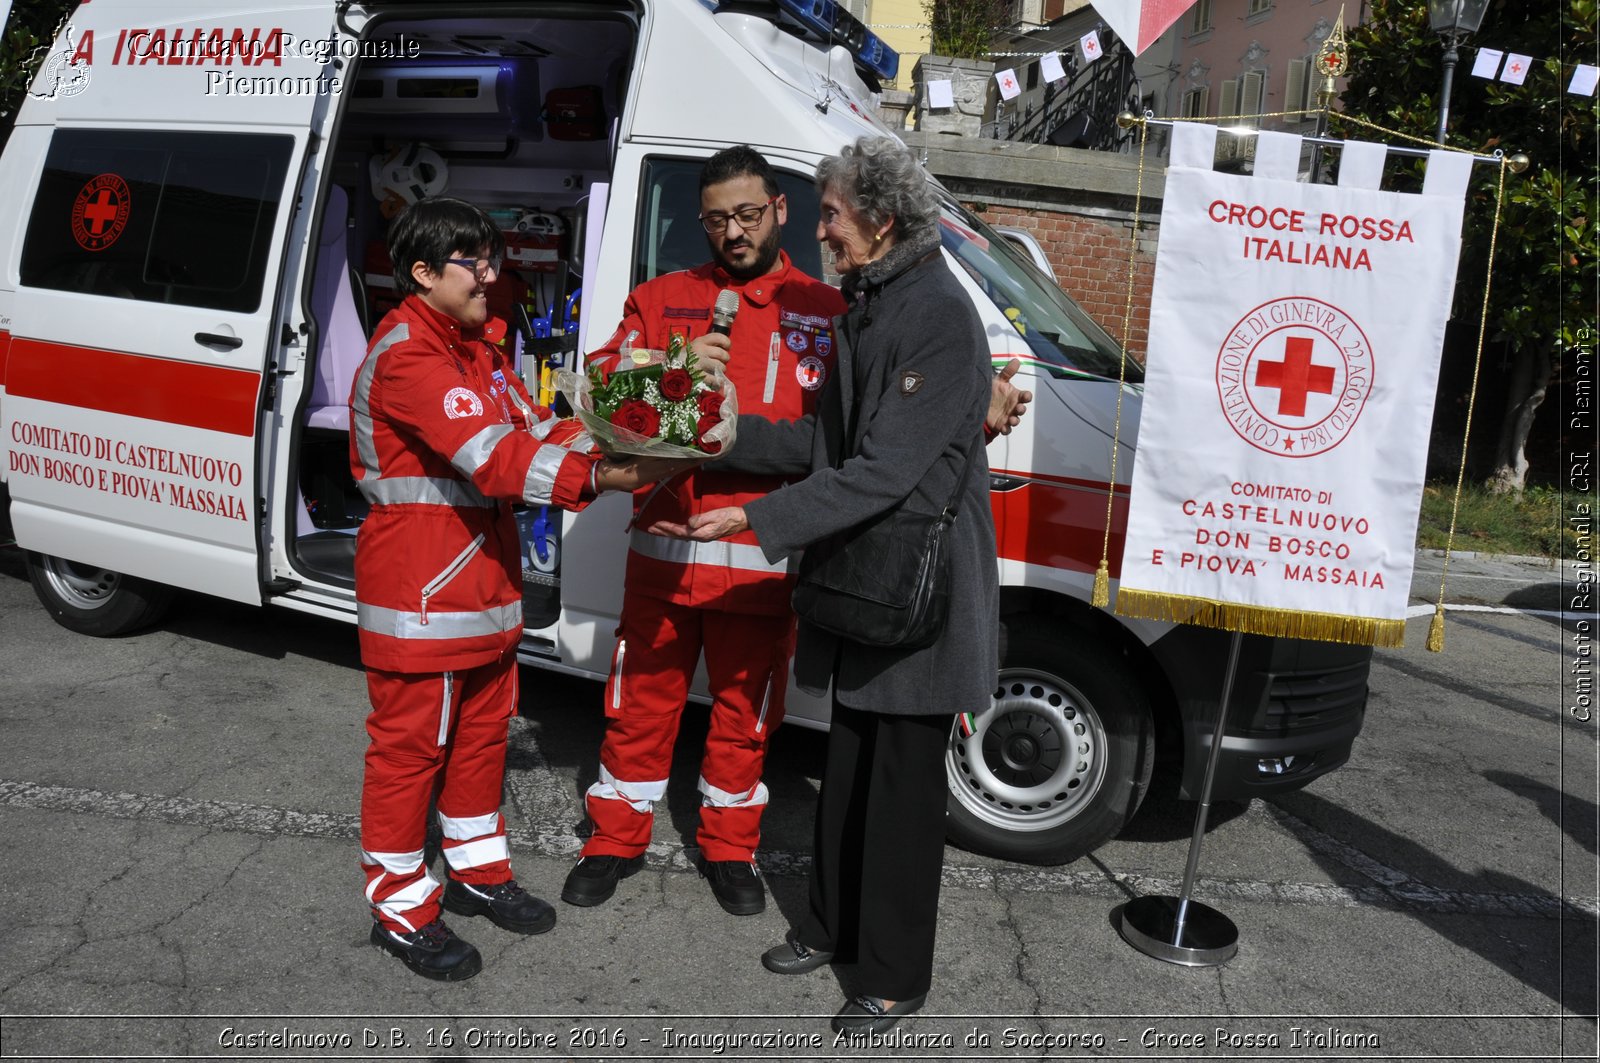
x=481 y=853
x=638 y=795
x=711 y=795
x=475 y=452
x=401 y=624
x=424 y=491
x=541 y=481
x=466 y=827
x=444 y=707
x=720 y=554
x=361 y=409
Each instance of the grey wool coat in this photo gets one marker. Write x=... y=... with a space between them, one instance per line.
x=904 y=403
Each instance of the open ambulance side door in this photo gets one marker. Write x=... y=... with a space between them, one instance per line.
x=168 y=143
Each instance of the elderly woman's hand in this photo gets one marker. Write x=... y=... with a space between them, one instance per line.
x=1007 y=402
x=704 y=527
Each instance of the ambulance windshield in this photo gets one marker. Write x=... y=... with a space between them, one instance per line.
x=1055 y=328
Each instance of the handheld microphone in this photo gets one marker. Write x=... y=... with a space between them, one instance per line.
x=722 y=313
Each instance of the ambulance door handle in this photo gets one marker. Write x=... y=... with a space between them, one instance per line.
x=213 y=339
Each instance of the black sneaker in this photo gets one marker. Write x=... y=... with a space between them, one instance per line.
x=433 y=952
x=595 y=878
x=508 y=906
x=736 y=884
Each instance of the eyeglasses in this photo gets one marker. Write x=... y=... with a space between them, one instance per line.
x=480 y=267
x=747 y=217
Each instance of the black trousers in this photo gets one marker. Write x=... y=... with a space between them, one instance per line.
x=879 y=849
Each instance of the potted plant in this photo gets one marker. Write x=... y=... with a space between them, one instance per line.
x=962 y=34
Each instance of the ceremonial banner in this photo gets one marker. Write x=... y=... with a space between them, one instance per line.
x=1295 y=332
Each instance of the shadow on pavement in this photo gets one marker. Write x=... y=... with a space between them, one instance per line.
x=1575 y=816
x=1563 y=967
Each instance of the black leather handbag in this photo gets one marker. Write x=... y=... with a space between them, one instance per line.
x=885 y=582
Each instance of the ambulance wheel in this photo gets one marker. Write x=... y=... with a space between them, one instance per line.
x=1061 y=759
x=95 y=601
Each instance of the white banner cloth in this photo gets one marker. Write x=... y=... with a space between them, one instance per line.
x=1295 y=334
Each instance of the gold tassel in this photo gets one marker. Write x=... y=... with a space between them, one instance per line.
x=1259 y=620
x=1436 y=630
x=1101 y=596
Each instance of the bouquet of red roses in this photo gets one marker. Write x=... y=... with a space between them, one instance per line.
x=657 y=403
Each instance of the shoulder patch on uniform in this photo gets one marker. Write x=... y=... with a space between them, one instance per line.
x=909 y=383
x=462 y=402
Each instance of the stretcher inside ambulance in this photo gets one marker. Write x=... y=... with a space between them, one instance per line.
x=197 y=263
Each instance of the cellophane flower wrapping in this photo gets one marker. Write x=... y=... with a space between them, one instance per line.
x=655 y=403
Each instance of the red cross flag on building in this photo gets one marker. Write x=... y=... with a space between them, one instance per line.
x=1295 y=332
x=1140 y=22
x=1089 y=45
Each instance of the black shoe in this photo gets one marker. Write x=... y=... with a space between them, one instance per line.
x=793 y=958
x=595 y=878
x=508 y=906
x=863 y=1015
x=433 y=952
x=737 y=885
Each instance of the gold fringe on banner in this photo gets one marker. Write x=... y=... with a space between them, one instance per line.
x=1260 y=620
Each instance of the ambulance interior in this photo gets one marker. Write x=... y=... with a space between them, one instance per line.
x=516 y=116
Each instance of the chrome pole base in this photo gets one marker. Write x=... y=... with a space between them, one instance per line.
x=1149 y=924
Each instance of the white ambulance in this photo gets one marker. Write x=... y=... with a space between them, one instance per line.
x=192 y=260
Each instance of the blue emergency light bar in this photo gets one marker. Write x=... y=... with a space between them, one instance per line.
x=826 y=21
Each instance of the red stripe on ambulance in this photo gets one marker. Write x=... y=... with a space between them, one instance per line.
x=1059 y=525
x=210 y=397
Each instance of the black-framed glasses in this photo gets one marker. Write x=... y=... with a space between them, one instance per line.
x=480 y=267
x=747 y=217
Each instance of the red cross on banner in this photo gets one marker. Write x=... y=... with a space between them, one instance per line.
x=1295 y=377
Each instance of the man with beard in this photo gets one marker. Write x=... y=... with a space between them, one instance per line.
x=683 y=598
x=723 y=599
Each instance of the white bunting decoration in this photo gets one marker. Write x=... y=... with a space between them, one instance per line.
x=1050 y=66
x=1487 y=64
x=1089 y=46
x=941 y=94
x=1007 y=80
x=1516 y=69
x=1584 y=80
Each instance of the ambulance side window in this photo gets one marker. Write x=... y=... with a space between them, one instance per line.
x=165 y=217
x=670 y=236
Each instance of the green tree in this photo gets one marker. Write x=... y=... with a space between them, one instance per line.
x=965 y=29
x=23 y=47
x=1542 y=297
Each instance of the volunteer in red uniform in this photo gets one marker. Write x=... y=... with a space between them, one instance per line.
x=682 y=598
x=442 y=435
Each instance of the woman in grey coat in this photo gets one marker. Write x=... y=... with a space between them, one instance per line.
x=900 y=416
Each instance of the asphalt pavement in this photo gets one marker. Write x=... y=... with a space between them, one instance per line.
x=179 y=808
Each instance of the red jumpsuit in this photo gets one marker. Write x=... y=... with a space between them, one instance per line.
x=722 y=598
x=441 y=431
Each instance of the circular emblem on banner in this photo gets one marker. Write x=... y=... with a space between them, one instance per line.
x=811 y=372
x=1293 y=376
x=100 y=213
x=462 y=402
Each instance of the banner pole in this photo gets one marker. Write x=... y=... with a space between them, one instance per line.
x=1177 y=929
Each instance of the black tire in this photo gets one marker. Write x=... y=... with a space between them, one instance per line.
x=95 y=601
x=1061 y=759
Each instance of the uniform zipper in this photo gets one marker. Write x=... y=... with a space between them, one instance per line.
x=616 y=674
x=450 y=572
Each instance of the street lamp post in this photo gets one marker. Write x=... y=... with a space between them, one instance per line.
x=1452 y=20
